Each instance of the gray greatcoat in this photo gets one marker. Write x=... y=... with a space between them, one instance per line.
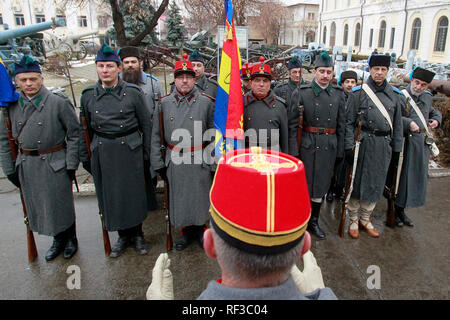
x=207 y=86
x=375 y=150
x=46 y=186
x=412 y=188
x=322 y=108
x=118 y=162
x=189 y=173
x=267 y=118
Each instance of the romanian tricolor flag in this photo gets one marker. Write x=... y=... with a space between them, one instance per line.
x=228 y=119
x=8 y=93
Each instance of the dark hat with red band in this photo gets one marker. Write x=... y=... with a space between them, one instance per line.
x=246 y=71
x=261 y=70
x=269 y=215
x=183 y=66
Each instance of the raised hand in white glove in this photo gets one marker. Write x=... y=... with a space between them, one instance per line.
x=161 y=287
x=311 y=277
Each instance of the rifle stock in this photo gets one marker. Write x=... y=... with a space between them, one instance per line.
x=87 y=138
x=169 y=241
x=300 y=130
x=31 y=243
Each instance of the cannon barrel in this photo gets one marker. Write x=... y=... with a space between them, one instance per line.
x=80 y=35
x=24 y=31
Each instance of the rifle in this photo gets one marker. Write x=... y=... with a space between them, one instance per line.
x=351 y=171
x=169 y=241
x=31 y=244
x=300 y=129
x=87 y=138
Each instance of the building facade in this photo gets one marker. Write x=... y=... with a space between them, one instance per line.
x=299 y=26
x=398 y=26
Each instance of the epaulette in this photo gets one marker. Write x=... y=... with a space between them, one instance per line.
x=356 y=88
x=281 y=100
x=397 y=90
x=306 y=85
x=156 y=99
x=204 y=94
x=151 y=76
x=426 y=91
x=92 y=87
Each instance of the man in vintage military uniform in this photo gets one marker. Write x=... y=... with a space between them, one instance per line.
x=257 y=243
x=187 y=114
x=285 y=90
x=202 y=83
x=412 y=188
x=322 y=134
x=381 y=139
x=120 y=126
x=265 y=114
x=347 y=80
x=132 y=73
x=245 y=72
x=46 y=130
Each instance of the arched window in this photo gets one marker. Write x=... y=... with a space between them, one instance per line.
x=310 y=36
x=333 y=34
x=415 y=34
x=324 y=39
x=345 y=35
x=441 y=34
x=382 y=34
x=357 y=34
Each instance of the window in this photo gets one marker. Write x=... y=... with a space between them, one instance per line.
x=415 y=34
x=370 y=38
x=310 y=15
x=382 y=34
x=345 y=34
x=103 y=21
x=324 y=40
x=40 y=18
x=82 y=21
x=63 y=18
x=357 y=34
x=310 y=36
x=391 y=45
x=20 y=20
x=441 y=34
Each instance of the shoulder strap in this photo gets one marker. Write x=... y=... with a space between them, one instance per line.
x=416 y=108
x=378 y=103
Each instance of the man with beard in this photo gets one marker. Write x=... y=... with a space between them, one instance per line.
x=132 y=72
x=412 y=188
x=119 y=122
x=378 y=105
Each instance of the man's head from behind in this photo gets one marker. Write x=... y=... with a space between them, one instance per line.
x=258 y=236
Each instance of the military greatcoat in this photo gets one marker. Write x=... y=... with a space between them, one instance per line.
x=46 y=186
x=412 y=188
x=121 y=131
x=323 y=109
x=378 y=141
x=189 y=159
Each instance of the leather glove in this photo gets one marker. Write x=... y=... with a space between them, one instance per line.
x=349 y=156
x=14 y=178
x=87 y=166
x=161 y=287
x=311 y=277
x=163 y=173
x=71 y=174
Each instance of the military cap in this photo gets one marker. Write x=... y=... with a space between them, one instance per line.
x=323 y=60
x=261 y=218
x=379 y=60
x=348 y=74
x=294 y=63
x=183 y=66
x=195 y=56
x=422 y=74
x=106 y=53
x=246 y=71
x=26 y=64
x=261 y=70
x=126 y=52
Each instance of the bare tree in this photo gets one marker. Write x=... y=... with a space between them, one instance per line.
x=269 y=19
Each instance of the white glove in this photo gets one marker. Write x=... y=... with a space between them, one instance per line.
x=161 y=287
x=311 y=277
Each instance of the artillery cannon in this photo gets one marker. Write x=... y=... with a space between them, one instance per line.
x=70 y=45
x=10 y=52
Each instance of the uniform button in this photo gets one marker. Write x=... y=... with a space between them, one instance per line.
x=39 y=141
x=192 y=154
x=369 y=135
x=124 y=93
x=317 y=147
x=20 y=123
x=100 y=142
x=370 y=108
x=329 y=119
x=270 y=121
x=410 y=135
x=370 y=121
x=121 y=125
x=194 y=100
x=121 y=111
x=39 y=123
x=171 y=118
x=23 y=159
x=99 y=127
x=43 y=158
x=190 y=118
x=317 y=118
x=96 y=111
x=191 y=137
x=249 y=118
x=273 y=106
x=331 y=104
x=122 y=142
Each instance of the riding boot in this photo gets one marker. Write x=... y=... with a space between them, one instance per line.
x=313 y=224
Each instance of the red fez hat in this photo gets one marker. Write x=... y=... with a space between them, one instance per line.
x=261 y=69
x=246 y=71
x=184 y=66
x=270 y=214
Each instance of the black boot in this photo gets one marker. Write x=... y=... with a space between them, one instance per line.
x=398 y=220
x=56 y=249
x=188 y=235
x=313 y=224
x=402 y=216
x=71 y=248
x=140 y=244
x=119 y=247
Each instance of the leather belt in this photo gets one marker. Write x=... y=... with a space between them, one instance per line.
x=116 y=134
x=378 y=133
x=186 y=149
x=38 y=152
x=319 y=130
